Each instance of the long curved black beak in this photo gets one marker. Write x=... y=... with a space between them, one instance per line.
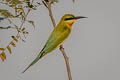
x=79 y=17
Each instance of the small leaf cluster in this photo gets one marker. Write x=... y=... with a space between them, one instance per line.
x=21 y=10
x=8 y=47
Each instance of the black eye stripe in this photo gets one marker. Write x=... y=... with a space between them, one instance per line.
x=69 y=19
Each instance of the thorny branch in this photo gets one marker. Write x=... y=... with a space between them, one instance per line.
x=48 y=6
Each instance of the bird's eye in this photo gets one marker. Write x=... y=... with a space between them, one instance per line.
x=68 y=19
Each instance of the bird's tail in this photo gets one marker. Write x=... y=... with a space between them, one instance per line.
x=34 y=61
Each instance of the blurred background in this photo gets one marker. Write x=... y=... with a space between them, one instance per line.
x=93 y=46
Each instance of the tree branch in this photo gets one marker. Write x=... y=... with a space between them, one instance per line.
x=67 y=62
x=51 y=15
x=48 y=3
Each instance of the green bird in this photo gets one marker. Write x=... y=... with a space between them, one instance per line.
x=58 y=36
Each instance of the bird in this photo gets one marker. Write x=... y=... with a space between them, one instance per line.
x=57 y=36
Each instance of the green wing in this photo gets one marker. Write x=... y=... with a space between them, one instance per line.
x=56 y=38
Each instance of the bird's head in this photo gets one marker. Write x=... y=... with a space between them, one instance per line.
x=70 y=19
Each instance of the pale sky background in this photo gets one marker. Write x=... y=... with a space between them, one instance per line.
x=93 y=46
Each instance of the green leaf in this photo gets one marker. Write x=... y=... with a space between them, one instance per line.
x=2 y=49
x=1 y=19
x=14 y=2
x=6 y=13
x=9 y=49
x=3 y=56
x=56 y=1
x=31 y=22
x=13 y=44
x=14 y=38
x=8 y=27
x=73 y=1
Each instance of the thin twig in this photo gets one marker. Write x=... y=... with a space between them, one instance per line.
x=23 y=22
x=12 y=22
x=61 y=47
x=6 y=27
x=25 y=18
x=16 y=27
x=51 y=14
